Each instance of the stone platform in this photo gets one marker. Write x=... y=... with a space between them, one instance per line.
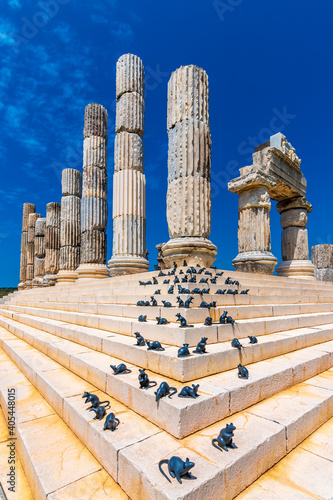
x=57 y=343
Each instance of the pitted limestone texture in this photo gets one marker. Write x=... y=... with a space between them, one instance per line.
x=130 y=75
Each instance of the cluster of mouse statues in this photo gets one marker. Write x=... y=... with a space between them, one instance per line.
x=100 y=407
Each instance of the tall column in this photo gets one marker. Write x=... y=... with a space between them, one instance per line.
x=94 y=205
x=70 y=225
x=52 y=243
x=322 y=259
x=39 y=245
x=254 y=232
x=129 y=182
x=28 y=208
x=32 y=218
x=294 y=241
x=189 y=164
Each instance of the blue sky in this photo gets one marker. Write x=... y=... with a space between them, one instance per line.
x=263 y=59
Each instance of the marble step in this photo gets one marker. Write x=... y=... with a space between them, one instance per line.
x=262 y=437
x=306 y=473
x=56 y=463
x=219 y=357
x=171 y=334
x=220 y=395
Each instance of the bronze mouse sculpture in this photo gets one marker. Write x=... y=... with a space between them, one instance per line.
x=183 y=322
x=139 y=339
x=94 y=400
x=183 y=351
x=144 y=380
x=189 y=392
x=111 y=422
x=224 y=439
x=100 y=412
x=253 y=340
x=177 y=468
x=201 y=347
x=243 y=372
x=142 y=318
x=208 y=321
x=164 y=390
x=122 y=368
x=154 y=346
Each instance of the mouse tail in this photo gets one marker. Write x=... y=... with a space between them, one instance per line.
x=161 y=470
x=173 y=391
x=152 y=384
x=107 y=404
x=215 y=446
x=127 y=371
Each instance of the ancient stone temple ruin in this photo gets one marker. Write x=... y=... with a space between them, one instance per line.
x=201 y=383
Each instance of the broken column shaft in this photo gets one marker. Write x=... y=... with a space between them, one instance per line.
x=28 y=208
x=94 y=207
x=32 y=218
x=129 y=182
x=52 y=243
x=39 y=247
x=189 y=165
x=70 y=225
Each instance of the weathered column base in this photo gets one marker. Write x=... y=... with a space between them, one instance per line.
x=64 y=276
x=37 y=282
x=194 y=250
x=91 y=271
x=259 y=262
x=130 y=264
x=21 y=286
x=50 y=279
x=296 y=269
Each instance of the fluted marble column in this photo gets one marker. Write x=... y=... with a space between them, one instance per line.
x=294 y=240
x=129 y=182
x=32 y=218
x=39 y=246
x=70 y=225
x=52 y=243
x=28 y=208
x=322 y=259
x=94 y=206
x=254 y=232
x=189 y=164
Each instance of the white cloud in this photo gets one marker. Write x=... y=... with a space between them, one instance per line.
x=15 y=4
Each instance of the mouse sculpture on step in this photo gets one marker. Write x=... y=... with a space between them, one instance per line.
x=196 y=290
x=205 y=304
x=188 y=302
x=253 y=340
x=208 y=273
x=184 y=263
x=224 y=439
x=144 y=380
x=237 y=344
x=171 y=289
x=183 y=290
x=160 y=274
x=183 y=351
x=208 y=321
x=154 y=346
x=142 y=318
x=213 y=281
x=205 y=290
x=220 y=292
x=145 y=283
x=184 y=280
x=140 y=303
x=111 y=422
x=153 y=301
x=164 y=390
x=100 y=412
x=245 y=292
x=201 y=347
x=120 y=369
x=166 y=304
x=166 y=282
x=140 y=341
x=203 y=280
x=189 y=392
x=155 y=282
x=157 y=292
x=242 y=371
x=183 y=322
x=180 y=302
x=94 y=400
x=177 y=468
x=161 y=321
x=193 y=279
x=219 y=274
x=176 y=280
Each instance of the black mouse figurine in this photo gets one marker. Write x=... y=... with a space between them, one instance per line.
x=140 y=341
x=94 y=400
x=144 y=381
x=228 y=281
x=157 y=267
x=166 y=304
x=142 y=318
x=166 y=282
x=208 y=273
x=213 y=280
x=180 y=302
x=208 y=321
x=161 y=321
x=161 y=273
x=177 y=468
x=245 y=292
x=253 y=340
x=201 y=270
x=224 y=439
x=140 y=303
x=146 y=303
x=183 y=322
x=196 y=290
x=242 y=371
x=157 y=292
x=183 y=351
x=170 y=290
x=184 y=263
x=176 y=280
x=237 y=344
x=164 y=390
x=230 y=320
x=201 y=347
x=193 y=279
x=189 y=392
x=145 y=283
x=188 y=302
x=154 y=346
x=219 y=274
x=153 y=301
x=111 y=422
x=220 y=292
x=99 y=411
x=205 y=290
x=204 y=304
x=203 y=280
x=120 y=369
x=155 y=282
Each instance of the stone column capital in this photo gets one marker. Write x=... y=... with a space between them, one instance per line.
x=252 y=179
x=298 y=202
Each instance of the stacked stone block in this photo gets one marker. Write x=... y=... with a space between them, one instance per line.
x=129 y=182
x=322 y=259
x=52 y=243
x=28 y=208
x=32 y=218
x=39 y=247
x=189 y=165
x=70 y=225
x=94 y=207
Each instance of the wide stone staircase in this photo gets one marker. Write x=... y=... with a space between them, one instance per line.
x=56 y=343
